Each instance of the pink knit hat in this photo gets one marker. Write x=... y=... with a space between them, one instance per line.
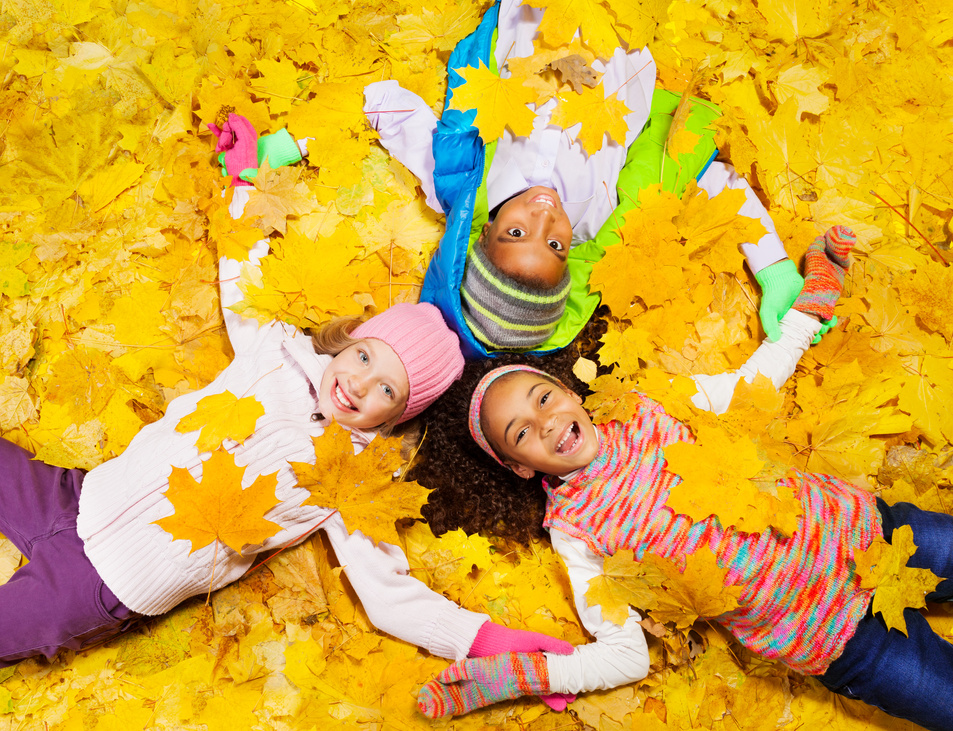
x=429 y=350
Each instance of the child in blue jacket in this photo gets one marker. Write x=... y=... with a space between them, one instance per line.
x=527 y=216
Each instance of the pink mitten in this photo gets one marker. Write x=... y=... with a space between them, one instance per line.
x=238 y=143
x=493 y=639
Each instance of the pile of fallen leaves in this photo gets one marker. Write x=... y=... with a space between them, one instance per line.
x=113 y=219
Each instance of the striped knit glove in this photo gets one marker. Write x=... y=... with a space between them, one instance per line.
x=478 y=682
x=493 y=639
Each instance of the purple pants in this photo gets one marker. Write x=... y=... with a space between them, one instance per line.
x=57 y=600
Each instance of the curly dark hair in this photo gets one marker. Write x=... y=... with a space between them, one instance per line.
x=470 y=490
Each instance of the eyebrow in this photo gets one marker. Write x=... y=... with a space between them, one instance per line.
x=529 y=395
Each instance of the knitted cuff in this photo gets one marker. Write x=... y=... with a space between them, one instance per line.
x=280 y=148
x=492 y=639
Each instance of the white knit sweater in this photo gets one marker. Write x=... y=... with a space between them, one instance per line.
x=151 y=573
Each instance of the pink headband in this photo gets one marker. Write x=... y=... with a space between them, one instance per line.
x=476 y=403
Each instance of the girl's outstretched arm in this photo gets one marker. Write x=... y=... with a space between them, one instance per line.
x=406 y=126
x=395 y=601
x=775 y=359
x=619 y=655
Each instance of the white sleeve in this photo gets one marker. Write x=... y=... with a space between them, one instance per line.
x=776 y=360
x=406 y=126
x=619 y=655
x=242 y=332
x=396 y=602
x=768 y=249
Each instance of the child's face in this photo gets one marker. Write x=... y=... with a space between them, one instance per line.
x=365 y=386
x=534 y=424
x=530 y=237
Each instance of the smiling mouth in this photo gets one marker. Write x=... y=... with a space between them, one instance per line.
x=341 y=398
x=544 y=198
x=570 y=440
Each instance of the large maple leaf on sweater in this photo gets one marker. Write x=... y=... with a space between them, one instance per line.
x=360 y=486
x=217 y=508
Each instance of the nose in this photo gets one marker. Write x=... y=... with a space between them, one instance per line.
x=549 y=423
x=357 y=385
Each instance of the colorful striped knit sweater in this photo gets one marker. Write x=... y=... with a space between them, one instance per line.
x=800 y=601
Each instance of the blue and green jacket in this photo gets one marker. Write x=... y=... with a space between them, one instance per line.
x=462 y=160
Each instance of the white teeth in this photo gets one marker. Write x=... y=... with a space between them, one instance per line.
x=342 y=397
x=568 y=434
x=544 y=199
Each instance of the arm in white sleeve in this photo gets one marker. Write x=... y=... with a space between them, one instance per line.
x=775 y=360
x=768 y=249
x=242 y=332
x=406 y=126
x=619 y=655
x=396 y=602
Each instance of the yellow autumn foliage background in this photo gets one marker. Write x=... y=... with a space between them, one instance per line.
x=112 y=220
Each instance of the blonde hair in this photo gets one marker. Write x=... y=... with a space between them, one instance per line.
x=334 y=337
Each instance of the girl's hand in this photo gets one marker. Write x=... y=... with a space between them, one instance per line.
x=493 y=639
x=479 y=682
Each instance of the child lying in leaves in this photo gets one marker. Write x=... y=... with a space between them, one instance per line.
x=528 y=213
x=797 y=599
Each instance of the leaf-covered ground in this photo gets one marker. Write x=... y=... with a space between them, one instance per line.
x=838 y=112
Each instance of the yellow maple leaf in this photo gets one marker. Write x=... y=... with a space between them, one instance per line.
x=562 y=17
x=926 y=395
x=277 y=195
x=926 y=294
x=898 y=585
x=306 y=282
x=625 y=347
x=717 y=473
x=232 y=238
x=624 y=582
x=712 y=228
x=217 y=508
x=697 y=591
x=612 y=399
x=499 y=102
x=222 y=416
x=802 y=83
x=600 y=116
x=360 y=486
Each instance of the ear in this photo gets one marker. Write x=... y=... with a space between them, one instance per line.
x=521 y=470
x=486 y=227
x=575 y=397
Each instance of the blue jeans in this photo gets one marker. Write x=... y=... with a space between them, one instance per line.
x=909 y=676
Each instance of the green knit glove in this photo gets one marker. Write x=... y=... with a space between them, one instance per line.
x=780 y=286
x=280 y=148
x=482 y=681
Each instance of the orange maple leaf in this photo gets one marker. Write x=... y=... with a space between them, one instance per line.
x=222 y=416
x=499 y=102
x=360 y=486
x=218 y=508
